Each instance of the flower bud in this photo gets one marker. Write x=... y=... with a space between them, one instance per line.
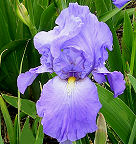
x=23 y=14
x=101 y=133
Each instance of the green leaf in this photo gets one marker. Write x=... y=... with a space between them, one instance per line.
x=1 y=141
x=108 y=4
x=111 y=13
x=10 y=65
x=34 y=126
x=127 y=40
x=12 y=46
x=19 y=30
x=27 y=135
x=6 y=7
x=117 y=114
x=27 y=106
x=112 y=136
x=30 y=10
x=1 y=55
x=108 y=15
x=46 y=17
x=4 y=33
x=133 y=55
x=16 y=128
x=38 y=10
x=100 y=7
x=133 y=134
x=119 y=18
x=132 y=81
x=19 y=100
x=7 y=120
x=101 y=133
x=40 y=134
x=114 y=59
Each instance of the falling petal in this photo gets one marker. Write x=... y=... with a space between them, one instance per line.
x=115 y=79
x=69 y=108
x=117 y=82
x=26 y=79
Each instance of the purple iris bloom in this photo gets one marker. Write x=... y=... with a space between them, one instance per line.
x=120 y=3
x=75 y=48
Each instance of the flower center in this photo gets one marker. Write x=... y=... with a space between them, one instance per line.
x=71 y=85
x=71 y=80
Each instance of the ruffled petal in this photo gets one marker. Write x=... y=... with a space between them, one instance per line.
x=67 y=28
x=77 y=28
x=69 y=110
x=26 y=79
x=117 y=83
x=120 y=3
x=73 y=9
x=71 y=28
x=93 y=39
x=115 y=79
x=43 y=39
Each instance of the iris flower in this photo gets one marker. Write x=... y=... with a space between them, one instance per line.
x=120 y=3
x=76 y=47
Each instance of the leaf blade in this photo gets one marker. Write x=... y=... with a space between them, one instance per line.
x=27 y=106
x=117 y=114
x=27 y=135
x=132 y=81
x=8 y=121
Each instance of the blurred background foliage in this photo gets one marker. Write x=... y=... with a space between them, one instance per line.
x=21 y=20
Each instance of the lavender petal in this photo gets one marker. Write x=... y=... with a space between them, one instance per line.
x=69 y=111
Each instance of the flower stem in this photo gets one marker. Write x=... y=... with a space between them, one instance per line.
x=19 y=100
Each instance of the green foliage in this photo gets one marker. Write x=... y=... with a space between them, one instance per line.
x=132 y=81
x=8 y=121
x=39 y=135
x=46 y=17
x=133 y=134
x=117 y=114
x=19 y=22
x=127 y=40
x=27 y=106
x=1 y=141
x=26 y=134
x=109 y=14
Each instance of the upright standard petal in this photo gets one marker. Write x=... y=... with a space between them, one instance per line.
x=93 y=39
x=120 y=3
x=115 y=79
x=26 y=79
x=73 y=9
x=69 y=108
x=67 y=28
x=79 y=29
x=43 y=39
